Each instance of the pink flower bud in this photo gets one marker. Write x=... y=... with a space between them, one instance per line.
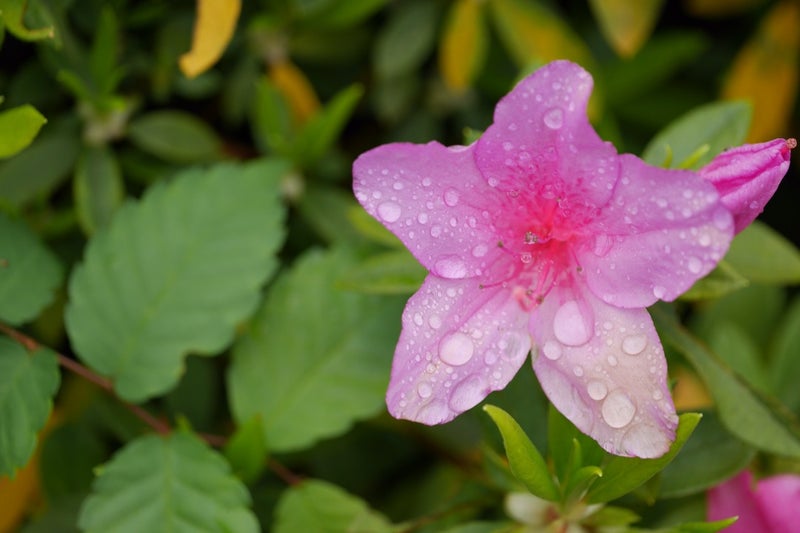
x=746 y=177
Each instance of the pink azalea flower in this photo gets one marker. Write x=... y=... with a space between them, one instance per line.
x=540 y=235
x=770 y=506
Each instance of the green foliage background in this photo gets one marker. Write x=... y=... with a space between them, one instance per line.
x=198 y=319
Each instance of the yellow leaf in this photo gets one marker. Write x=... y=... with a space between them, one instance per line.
x=718 y=8
x=690 y=394
x=295 y=88
x=462 y=50
x=766 y=72
x=213 y=30
x=626 y=25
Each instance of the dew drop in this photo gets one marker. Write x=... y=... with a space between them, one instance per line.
x=551 y=350
x=434 y=413
x=634 y=344
x=435 y=322
x=480 y=250
x=456 y=349
x=468 y=393
x=418 y=319
x=612 y=360
x=618 y=409
x=451 y=197
x=659 y=291
x=722 y=219
x=597 y=389
x=389 y=211
x=424 y=390
x=526 y=257
x=694 y=265
x=602 y=244
x=451 y=267
x=422 y=218
x=554 y=118
x=570 y=326
x=436 y=231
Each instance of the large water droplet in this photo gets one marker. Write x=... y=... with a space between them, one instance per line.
x=694 y=265
x=597 y=389
x=645 y=441
x=435 y=321
x=554 y=118
x=634 y=344
x=418 y=319
x=456 y=349
x=434 y=413
x=451 y=267
x=552 y=350
x=618 y=409
x=468 y=393
x=659 y=291
x=480 y=250
x=602 y=245
x=451 y=197
x=424 y=390
x=571 y=326
x=389 y=211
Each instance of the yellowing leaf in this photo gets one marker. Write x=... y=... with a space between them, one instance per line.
x=18 y=495
x=626 y=25
x=216 y=22
x=295 y=88
x=690 y=394
x=463 y=46
x=766 y=72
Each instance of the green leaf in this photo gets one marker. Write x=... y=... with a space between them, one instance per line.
x=28 y=382
x=321 y=507
x=742 y=412
x=173 y=483
x=327 y=353
x=719 y=125
x=567 y=458
x=98 y=188
x=13 y=13
x=343 y=13
x=68 y=455
x=326 y=209
x=526 y=463
x=761 y=254
x=621 y=475
x=18 y=127
x=785 y=357
x=740 y=352
x=407 y=39
x=37 y=170
x=174 y=274
x=103 y=56
x=29 y=273
x=711 y=456
x=722 y=280
x=247 y=451
x=322 y=131
x=395 y=272
x=175 y=136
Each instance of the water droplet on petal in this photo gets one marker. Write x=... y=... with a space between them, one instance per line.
x=571 y=326
x=618 y=409
x=634 y=344
x=694 y=265
x=418 y=319
x=434 y=413
x=526 y=257
x=389 y=212
x=435 y=322
x=645 y=441
x=456 y=349
x=722 y=219
x=451 y=267
x=480 y=250
x=551 y=350
x=659 y=291
x=424 y=390
x=451 y=197
x=436 y=231
x=554 y=118
x=468 y=393
x=602 y=244
x=597 y=389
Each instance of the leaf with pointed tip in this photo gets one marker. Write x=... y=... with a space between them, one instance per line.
x=175 y=273
x=29 y=273
x=763 y=255
x=28 y=382
x=167 y=483
x=18 y=128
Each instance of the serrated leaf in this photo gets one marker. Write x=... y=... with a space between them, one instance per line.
x=395 y=272
x=763 y=255
x=621 y=475
x=766 y=72
x=29 y=273
x=325 y=126
x=175 y=136
x=526 y=463
x=13 y=13
x=721 y=281
x=321 y=507
x=463 y=44
x=174 y=274
x=327 y=353
x=626 y=25
x=98 y=188
x=173 y=483
x=18 y=128
x=719 y=125
x=744 y=414
x=407 y=38
x=28 y=382
x=213 y=30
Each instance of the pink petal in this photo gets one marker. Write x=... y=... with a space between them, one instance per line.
x=662 y=231
x=735 y=498
x=747 y=177
x=604 y=369
x=458 y=343
x=541 y=142
x=779 y=500
x=433 y=198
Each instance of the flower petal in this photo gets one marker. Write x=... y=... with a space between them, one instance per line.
x=541 y=141
x=735 y=498
x=662 y=231
x=779 y=500
x=434 y=199
x=458 y=343
x=747 y=176
x=604 y=369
